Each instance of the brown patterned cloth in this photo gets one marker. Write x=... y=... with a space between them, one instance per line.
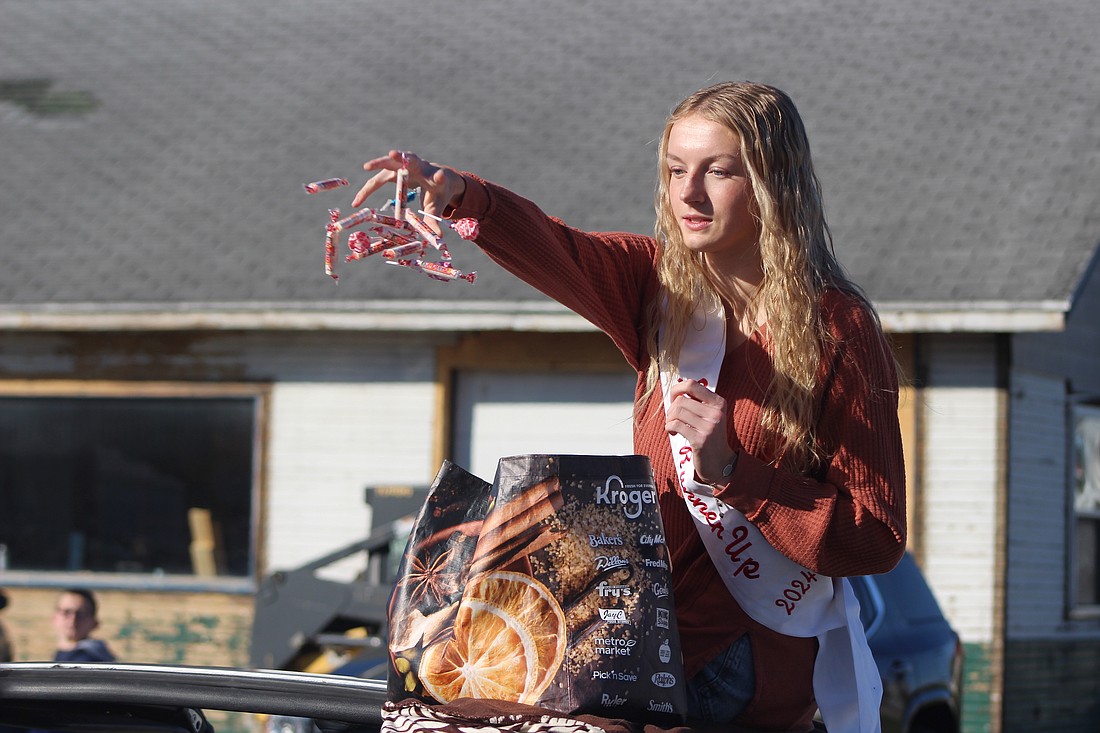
x=477 y=716
x=466 y=715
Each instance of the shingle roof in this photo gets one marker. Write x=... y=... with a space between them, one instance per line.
x=153 y=153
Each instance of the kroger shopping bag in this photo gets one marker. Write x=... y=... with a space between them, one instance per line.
x=551 y=587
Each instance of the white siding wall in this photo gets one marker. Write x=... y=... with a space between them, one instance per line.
x=1037 y=505
x=328 y=441
x=347 y=410
x=960 y=479
x=500 y=413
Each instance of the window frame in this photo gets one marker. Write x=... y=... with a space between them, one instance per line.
x=259 y=392
x=1077 y=611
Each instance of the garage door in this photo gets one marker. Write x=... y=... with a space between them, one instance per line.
x=502 y=413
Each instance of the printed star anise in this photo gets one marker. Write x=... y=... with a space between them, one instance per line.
x=430 y=578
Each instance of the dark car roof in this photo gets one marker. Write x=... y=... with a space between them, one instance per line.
x=48 y=694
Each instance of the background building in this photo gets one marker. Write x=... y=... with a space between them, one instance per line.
x=187 y=402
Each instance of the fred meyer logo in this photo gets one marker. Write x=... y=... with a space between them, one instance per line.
x=631 y=500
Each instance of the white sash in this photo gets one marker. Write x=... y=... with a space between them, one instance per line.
x=771 y=588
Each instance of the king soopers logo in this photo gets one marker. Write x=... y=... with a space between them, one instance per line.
x=632 y=500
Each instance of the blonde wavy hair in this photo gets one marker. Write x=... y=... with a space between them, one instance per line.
x=795 y=244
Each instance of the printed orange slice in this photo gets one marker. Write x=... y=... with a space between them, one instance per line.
x=487 y=658
x=532 y=606
x=508 y=642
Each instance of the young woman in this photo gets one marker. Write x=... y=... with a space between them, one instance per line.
x=766 y=397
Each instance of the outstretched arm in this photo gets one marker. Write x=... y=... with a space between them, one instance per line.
x=608 y=278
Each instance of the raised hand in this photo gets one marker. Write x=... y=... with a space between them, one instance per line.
x=439 y=186
x=699 y=415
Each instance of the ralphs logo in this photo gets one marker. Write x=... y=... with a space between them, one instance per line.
x=664 y=679
x=631 y=500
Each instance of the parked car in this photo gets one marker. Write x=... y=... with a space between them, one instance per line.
x=919 y=655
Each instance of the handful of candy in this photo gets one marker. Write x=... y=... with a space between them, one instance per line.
x=403 y=239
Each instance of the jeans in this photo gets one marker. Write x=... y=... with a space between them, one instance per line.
x=721 y=690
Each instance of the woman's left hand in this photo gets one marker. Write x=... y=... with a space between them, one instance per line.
x=699 y=415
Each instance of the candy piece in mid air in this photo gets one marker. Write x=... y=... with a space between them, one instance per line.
x=330 y=254
x=326 y=185
x=438 y=270
x=358 y=240
x=361 y=245
x=369 y=215
x=414 y=249
x=467 y=228
x=402 y=193
x=331 y=237
x=392 y=236
x=427 y=234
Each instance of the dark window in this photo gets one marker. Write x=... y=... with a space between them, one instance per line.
x=1086 y=506
x=127 y=484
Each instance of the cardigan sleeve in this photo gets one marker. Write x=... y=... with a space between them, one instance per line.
x=848 y=519
x=607 y=278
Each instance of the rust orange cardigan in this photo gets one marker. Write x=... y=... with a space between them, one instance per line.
x=848 y=518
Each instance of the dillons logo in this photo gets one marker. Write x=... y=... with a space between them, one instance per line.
x=632 y=501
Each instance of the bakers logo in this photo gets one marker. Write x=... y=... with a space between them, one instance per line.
x=614 y=492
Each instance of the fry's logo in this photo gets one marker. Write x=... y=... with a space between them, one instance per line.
x=614 y=492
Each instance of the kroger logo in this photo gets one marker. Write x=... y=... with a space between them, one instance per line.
x=631 y=500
